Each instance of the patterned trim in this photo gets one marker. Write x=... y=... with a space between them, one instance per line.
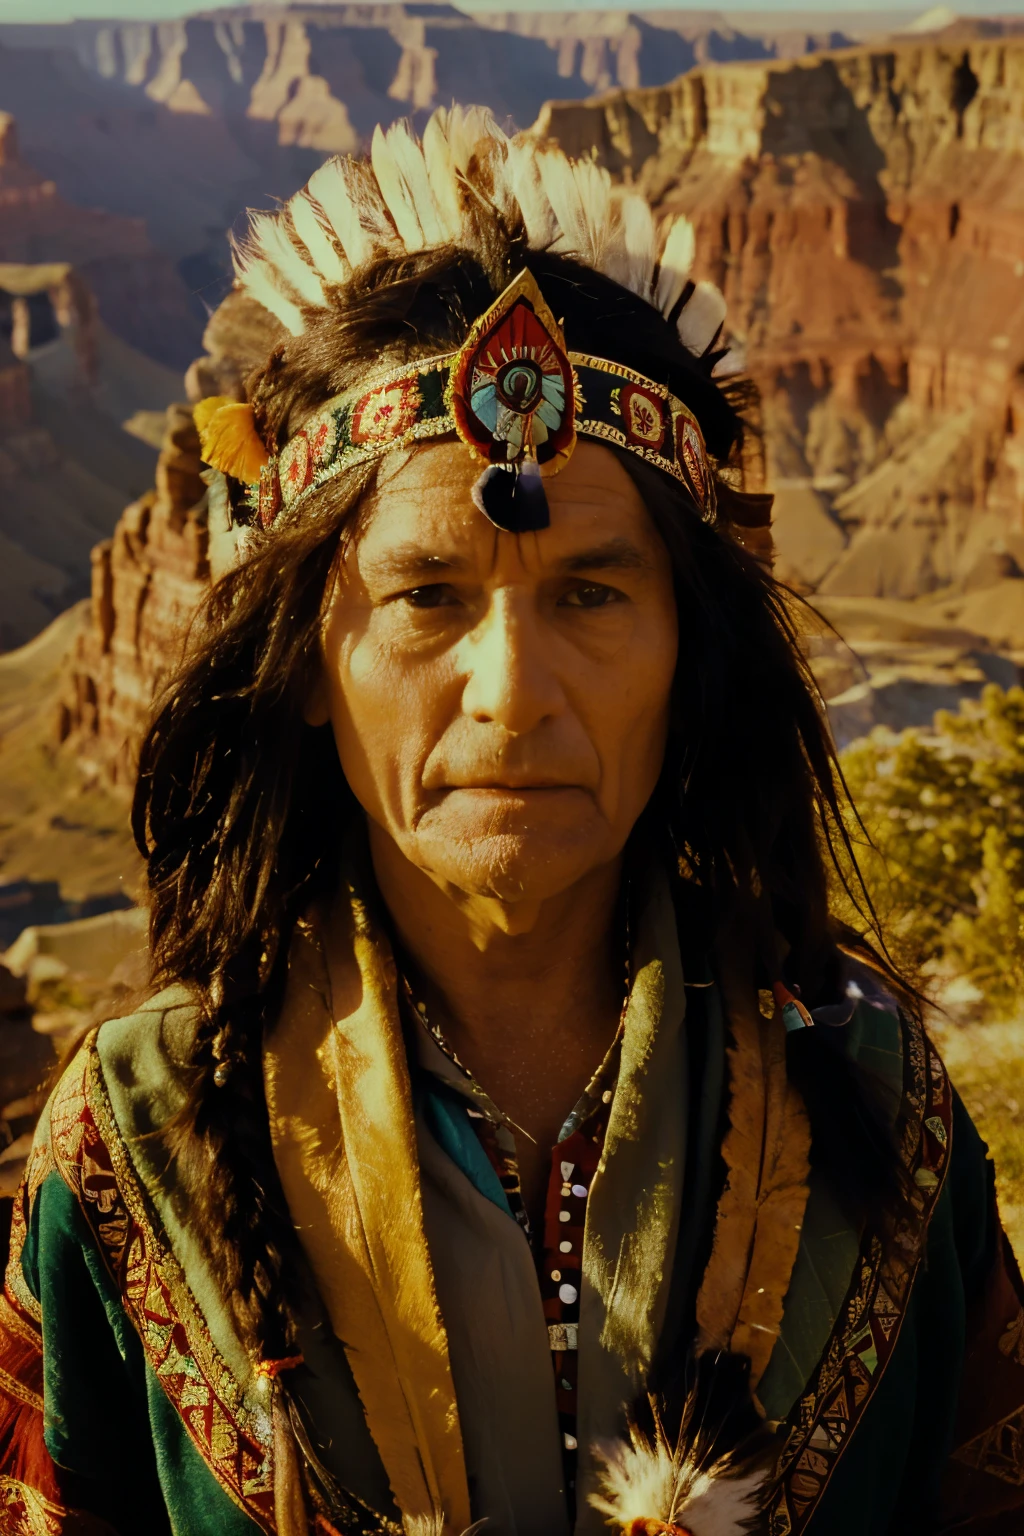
x=998 y=1450
x=26 y=1512
x=12 y=1321
x=233 y=1439
x=16 y=1293
x=412 y=404
x=20 y=1393
x=869 y=1321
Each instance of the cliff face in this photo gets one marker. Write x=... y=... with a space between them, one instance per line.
x=864 y=213
x=150 y=577
x=186 y=123
x=146 y=583
x=67 y=385
x=137 y=290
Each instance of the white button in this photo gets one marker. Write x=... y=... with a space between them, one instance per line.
x=567 y=1170
x=570 y=1442
x=563 y=1216
x=579 y=1190
x=565 y=1247
x=556 y=1274
x=568 y=1294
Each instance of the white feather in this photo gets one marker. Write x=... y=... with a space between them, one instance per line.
x=522 y=174
x=580 y=193
x=733 y=363
x=701 y=318
x=332 y=267
x=395 y=192
x=411 y=161
x=257 y=279
x=479 y=150
x=629 y=258
x=443 y=172
x=335 y=188
x=676 y=264
x=648 y=1481
x=270 y=240
x=723 y=1506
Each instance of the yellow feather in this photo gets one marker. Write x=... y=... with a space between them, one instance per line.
x=228 y=438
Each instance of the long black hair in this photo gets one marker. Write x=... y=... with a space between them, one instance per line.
x=241 y=806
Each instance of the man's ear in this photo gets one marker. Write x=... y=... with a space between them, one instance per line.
x=317 y=709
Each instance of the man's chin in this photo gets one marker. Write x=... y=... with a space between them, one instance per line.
x=522 y=860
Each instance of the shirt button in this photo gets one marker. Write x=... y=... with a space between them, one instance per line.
x=565 y=1247
x=567 y=1294
x=570 y=1442
x=556 y=1274
x=563 y=1216
x=566 y=1189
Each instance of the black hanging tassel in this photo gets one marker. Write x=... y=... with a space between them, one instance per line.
x=512 y=497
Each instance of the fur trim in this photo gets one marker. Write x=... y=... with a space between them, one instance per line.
x=451 y=188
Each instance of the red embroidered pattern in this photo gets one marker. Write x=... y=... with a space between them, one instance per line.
x=177 y=1345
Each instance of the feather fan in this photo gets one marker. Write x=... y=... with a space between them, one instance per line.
x=645 y=1482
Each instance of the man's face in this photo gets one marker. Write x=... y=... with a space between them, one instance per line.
x=500 y=701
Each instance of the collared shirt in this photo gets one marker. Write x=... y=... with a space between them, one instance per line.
x=558 y=1248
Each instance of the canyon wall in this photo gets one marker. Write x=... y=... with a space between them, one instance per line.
x=864 y=213
x=68 y=384
x=139 y=294
x=184 y=124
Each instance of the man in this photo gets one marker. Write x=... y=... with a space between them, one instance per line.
x=512 y=1136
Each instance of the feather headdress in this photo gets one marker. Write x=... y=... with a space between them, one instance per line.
x=446 y=190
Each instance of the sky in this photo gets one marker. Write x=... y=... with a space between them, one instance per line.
x=158 y=10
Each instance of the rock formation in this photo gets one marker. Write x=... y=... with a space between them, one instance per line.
x=149 y=579
x=67 y=384
x=862 y=211
x=138 y=293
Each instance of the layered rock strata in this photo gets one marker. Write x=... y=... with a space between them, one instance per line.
x=138 y=293
x=149 y=579
x=863 y=213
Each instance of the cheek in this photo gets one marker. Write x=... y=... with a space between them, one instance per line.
x=633 y=716
x=386 y=718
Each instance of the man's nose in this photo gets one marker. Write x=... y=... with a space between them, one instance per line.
x=508 y=660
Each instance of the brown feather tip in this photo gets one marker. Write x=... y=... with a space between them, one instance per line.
x=228 y=439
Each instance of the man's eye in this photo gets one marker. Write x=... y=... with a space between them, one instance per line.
x=438 y=595
x=591 y=595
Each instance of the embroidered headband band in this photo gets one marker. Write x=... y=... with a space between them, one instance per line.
x=512 y=393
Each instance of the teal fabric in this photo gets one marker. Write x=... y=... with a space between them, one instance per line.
x=448 y=1121
x=108 y=1422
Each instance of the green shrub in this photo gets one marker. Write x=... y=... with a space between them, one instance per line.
x=944 y=810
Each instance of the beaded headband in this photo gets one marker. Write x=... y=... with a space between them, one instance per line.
x=518 y=400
